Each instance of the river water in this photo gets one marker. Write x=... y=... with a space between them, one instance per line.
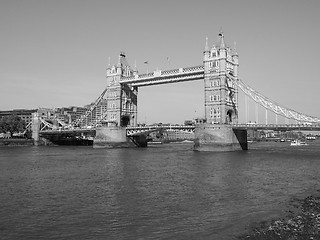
x=160 y=192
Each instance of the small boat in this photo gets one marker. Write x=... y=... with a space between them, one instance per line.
x=298 y=142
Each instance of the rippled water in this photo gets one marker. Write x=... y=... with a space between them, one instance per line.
x=162 y=192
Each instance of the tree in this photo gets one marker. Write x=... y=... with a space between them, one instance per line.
x=12 y=124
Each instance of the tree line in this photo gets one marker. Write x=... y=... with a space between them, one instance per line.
x=12 y=124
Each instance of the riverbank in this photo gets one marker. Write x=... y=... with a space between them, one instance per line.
x=16 y=142
x=302 y=222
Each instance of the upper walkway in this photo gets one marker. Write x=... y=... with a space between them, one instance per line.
x=167 y=76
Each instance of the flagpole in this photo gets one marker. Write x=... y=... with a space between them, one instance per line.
x=147 y=62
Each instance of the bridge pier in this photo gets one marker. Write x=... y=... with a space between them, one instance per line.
x=116 y=137
x=35 y=128
x=219 y=138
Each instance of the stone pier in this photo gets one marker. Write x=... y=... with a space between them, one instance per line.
x=219 y=138
x=35 y=128
x=116 y=137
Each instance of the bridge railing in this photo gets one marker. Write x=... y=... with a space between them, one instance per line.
x=193 y=69
x=277 y=126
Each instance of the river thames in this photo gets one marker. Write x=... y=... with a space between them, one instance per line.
x=160 y=192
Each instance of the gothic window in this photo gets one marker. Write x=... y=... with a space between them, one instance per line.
x=211 y=112
x=210 y=98
x=112 y=105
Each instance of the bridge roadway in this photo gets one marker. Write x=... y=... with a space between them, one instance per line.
x=133 y=131
x=75 y=131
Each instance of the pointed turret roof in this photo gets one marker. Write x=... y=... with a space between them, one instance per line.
x=234 y=50
x=206 y=49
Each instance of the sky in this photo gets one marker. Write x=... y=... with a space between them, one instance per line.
x=55 y=53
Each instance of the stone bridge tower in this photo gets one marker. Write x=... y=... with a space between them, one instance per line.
x=221 y=94
x=121 y=98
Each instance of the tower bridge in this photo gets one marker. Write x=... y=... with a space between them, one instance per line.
x=221 y=100
x=218 y=131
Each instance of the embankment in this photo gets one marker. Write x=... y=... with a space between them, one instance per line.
x=16 y=142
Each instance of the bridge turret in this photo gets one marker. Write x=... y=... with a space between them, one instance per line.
x=222 y=53
x=206 y=56
x=135 y=70
x=235 y=58
x=119 y=68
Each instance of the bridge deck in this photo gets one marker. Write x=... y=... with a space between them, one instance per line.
x=190 y=128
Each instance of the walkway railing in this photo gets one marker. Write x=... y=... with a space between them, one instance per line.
x=279 y=127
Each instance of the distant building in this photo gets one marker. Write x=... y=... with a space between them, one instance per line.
x=46 y=113
x=189 y=122
x=64 y=114
x=69 y=114
x=99 y=112
x=24 y=114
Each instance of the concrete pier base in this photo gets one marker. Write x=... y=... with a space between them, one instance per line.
x=219 y=138
x=35 y=128
x=115 y=137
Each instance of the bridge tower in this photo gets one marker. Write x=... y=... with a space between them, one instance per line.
x=221 y=94
x=121 y=98
x=121 y=110
x=221 y=101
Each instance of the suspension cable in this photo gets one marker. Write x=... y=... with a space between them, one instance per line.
x=271 y=105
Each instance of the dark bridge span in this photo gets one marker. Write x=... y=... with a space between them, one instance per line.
x=76 y=137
